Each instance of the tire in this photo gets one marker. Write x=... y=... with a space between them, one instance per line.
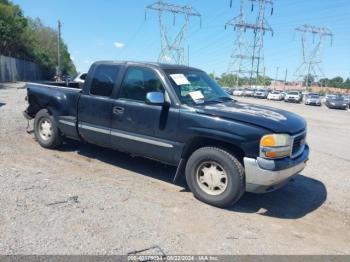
x=205 y=159
x=46 y=130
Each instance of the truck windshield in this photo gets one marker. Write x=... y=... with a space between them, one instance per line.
x=196 y=87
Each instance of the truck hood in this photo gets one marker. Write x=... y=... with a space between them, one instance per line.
x=276 y=120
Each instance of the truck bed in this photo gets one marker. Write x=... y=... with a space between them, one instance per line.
x=60 y=101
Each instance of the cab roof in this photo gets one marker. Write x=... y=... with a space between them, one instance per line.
x=148 y=64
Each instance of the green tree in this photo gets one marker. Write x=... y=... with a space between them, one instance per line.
x=347 y=83
x=12 y=26
x=337 y=82
x=31 y=40
x=309 y=80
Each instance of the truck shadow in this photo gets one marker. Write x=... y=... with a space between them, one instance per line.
x=300 y=197
x=2 y=104
x=139 y=165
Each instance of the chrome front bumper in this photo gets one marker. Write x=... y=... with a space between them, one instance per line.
x=262 y=180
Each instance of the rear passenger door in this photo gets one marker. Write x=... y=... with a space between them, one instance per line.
x=139 y=128
x=95 y=105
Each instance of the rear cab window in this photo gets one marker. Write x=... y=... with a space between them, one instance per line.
x=104 y=80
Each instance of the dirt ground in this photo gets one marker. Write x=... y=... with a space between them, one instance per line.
x=84 y=199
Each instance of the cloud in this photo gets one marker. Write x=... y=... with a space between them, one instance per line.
x=118 y=45
x=87 y=61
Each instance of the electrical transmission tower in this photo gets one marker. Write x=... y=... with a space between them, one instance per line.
x=172 y=49
x=247 y=59
x=311 y=65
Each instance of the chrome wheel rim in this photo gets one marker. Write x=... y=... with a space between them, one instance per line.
x=45 y=129
x=212 y=178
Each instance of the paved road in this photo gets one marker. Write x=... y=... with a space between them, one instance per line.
x=87 y=200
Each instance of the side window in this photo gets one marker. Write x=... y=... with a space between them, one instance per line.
x=83 y=76
x=138 y=82
x=104 y=80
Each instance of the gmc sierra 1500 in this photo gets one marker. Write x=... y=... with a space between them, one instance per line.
x=180 y=116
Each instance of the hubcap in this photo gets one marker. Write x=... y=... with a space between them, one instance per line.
x=212 y=178
x=45 y=129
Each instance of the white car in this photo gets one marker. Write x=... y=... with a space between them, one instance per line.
x=249 y=92
x=294 y=97
x=275 y=95
x=238 y=92
x=80 y=78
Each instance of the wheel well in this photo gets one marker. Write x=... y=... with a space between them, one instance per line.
x=208 y=142
x=34 y=107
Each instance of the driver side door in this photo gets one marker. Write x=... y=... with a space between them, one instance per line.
x=140 y=128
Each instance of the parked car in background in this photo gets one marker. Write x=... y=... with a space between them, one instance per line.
x=228 y=90
x=67 y=78
x=347 y=100
x=261 y=93
x=238 y=92
x=249 y=92
x=275 y=95
x=336 y=102
x=80 y=78
x=313 y=99
x=294 y=97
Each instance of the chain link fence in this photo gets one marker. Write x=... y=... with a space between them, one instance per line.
x=12 y=70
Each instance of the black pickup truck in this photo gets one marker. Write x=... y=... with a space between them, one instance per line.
x=180 y=116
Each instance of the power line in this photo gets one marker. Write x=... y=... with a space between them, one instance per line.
x=173 y=50
x=59 y=49
x=311 y=64
x=247 y=59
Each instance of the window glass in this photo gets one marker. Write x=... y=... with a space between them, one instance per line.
x=138 y=82
x=196 y=87
x=104 y=79
x=83 y=76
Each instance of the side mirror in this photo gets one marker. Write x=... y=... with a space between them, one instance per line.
x=155 y=98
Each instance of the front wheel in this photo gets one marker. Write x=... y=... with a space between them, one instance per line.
x=46 y=130
x=215 y=176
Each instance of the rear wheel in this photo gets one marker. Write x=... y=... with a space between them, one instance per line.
x=46 y=130
x=215 y=176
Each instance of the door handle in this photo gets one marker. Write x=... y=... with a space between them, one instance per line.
x=118 y=110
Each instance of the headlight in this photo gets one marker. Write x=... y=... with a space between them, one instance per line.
x=275 y=146
x=333 y=104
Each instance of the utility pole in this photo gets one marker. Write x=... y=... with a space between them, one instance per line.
x=285 y=80
x=172 y=49
x=188 y=55
x=59 y=49
x=247 y=58
x=277 y=69
x=312 y=41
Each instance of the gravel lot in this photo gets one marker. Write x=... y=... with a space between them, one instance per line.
x=87 y=200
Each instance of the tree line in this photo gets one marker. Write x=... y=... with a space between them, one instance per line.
x=231 y=80
x=29 y=39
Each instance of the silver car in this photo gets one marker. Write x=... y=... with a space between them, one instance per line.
x=313 y=99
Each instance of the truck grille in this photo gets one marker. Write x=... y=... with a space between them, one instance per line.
x=298 y=144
